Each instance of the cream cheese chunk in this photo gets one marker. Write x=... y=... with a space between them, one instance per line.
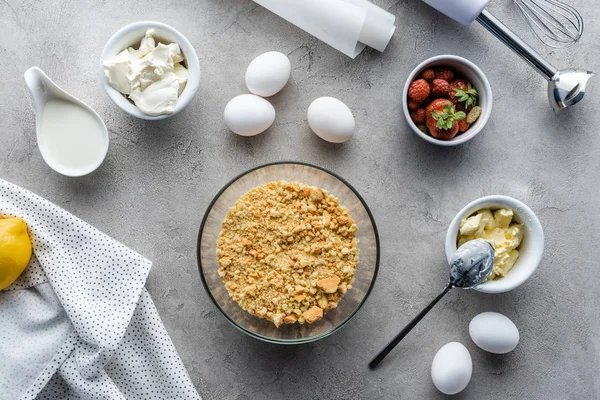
x=116 y=70
x=495 y=227
x=159 y=97
x=151 y=76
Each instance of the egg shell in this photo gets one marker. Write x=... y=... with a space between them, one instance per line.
x=331 y=119
x=494 y=332
x=451 y=368
x=268 y=73
x=248 y=115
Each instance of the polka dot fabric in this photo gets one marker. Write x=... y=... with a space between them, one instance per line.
x=122 y=349
x=35 y=337
x=32 y=276
x=146 y=369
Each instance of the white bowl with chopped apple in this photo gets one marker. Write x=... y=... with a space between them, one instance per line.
x=530 y=248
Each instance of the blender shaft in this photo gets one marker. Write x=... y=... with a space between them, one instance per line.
x=517 y=45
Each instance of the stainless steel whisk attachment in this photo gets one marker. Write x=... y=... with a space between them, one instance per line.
x=566 y=87
x=556 y=24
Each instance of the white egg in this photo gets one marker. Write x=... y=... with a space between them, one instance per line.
x=451 y=368
x=331 y=119
x=248 y=115
x=494 y=332
x=268 y=73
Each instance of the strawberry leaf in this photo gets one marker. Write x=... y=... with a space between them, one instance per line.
x=446 y=118
x=469 y=96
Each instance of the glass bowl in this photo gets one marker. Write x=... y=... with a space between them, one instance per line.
x=365 y=272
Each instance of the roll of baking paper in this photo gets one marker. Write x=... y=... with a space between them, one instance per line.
x=463 y=11
x=379 y=25
x=347 y=25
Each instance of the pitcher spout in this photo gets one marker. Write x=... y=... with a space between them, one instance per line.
x=40 y=86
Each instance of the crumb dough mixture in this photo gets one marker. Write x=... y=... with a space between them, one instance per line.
x=287 y=252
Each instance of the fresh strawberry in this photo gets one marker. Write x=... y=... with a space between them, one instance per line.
x=463 y=125
x=442 y=119
x=456 y=84
x=412 y=105
x=418 y=116
x=435 y=105
x=444 y=73
x=418 y=90
x=440 y=88
x=428 y=74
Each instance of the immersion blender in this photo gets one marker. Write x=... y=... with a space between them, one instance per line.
x=565 y=87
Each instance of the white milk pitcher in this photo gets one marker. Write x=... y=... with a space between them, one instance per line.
x=71 y=136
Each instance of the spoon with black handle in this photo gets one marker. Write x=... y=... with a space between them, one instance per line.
x=471 y=265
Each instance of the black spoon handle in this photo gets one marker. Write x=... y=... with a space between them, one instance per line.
x=375 y=362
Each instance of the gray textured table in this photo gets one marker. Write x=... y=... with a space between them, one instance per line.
x=159 y=177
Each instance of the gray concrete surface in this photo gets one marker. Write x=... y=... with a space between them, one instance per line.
x=159 y=177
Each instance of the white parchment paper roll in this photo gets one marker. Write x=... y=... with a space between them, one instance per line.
x=347 y=25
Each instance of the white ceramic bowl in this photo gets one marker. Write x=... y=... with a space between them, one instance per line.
x=470 y=71
x=130 y=36
x=530 y=250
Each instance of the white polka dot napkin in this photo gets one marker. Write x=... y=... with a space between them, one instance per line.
x=79 y=324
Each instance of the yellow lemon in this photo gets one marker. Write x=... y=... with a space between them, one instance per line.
x=15 y=249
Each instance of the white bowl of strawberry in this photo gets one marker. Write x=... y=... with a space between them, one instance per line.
x=447 y=100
